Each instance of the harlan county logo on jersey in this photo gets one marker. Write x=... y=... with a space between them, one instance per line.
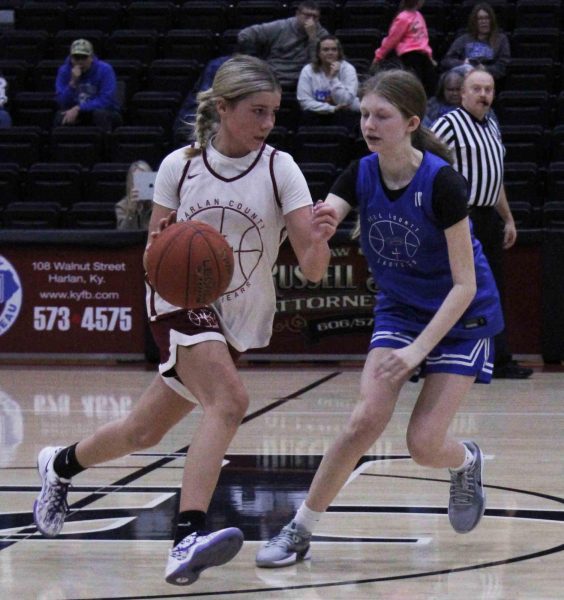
x=10 y=295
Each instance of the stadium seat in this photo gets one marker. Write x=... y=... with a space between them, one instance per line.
x=523 y=214
x=204 y=14
x=54 y=182
x=34 y=108
x=10 y=183
x=173 y=75
x=531 y=74
x=556 y=153
x=537 y=13
x=553 y=215
x=106 y=182
x=14 y=72
x=359 y=42
x=32 y=215
x=319 y=177
x=83 y=145
x=280 y=138
x=47 y=16
x=228 y=41
x=91 y=215
x=29 y=45
x=154 y=108
x=289 y=114
x=514 y=107
x=555 y=182
x=131 y=73
x=144 y=14
x=522 y=183
x=20 y=145
x=130 y=143
x=528 y=42
x=133 y=44
x=328 y=144
x=377 y=14
x=189 y=44
x=251 y=12
x=94 y=14
x=524 y=143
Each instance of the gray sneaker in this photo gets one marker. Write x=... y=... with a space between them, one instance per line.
x=50 y=508
x=467 y=501
x=287 y=548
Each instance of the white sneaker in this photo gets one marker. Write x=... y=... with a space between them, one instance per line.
x=50 y=508
x=198 y=551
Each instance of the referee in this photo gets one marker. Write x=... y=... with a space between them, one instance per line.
x=475 y=141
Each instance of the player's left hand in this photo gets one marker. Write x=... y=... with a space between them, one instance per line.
x=398 y=364
x=324 y=221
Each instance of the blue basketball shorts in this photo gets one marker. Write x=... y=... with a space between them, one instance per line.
x=472 y=358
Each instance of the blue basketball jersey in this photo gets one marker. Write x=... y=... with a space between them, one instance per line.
x=407 y=253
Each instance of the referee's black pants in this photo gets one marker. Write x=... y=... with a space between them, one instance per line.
x=488 y=229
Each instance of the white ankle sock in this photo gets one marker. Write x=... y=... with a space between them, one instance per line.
x=307 y=518
x=468 y=460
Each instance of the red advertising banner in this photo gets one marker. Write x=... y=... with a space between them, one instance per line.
x=332 y=319
x=75 y=295
x=71 y=300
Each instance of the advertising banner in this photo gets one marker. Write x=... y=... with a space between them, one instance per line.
x=72 y=300
x=332 y=319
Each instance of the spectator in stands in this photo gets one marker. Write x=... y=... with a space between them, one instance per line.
x=286 y=44
x=447 y=96
x=409 y=39
x=477 y=150
x=328 y=87
x=133 y=212
x=86 y=90
x=483 y=44
x=5 y=119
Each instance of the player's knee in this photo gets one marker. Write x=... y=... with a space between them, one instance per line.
x=360 y=427
x=230 y=405
x=422 y=446
x=141 y=436
x=238 y=403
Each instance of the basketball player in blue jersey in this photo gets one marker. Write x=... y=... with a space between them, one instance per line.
x=437 y=308
x=255 y=195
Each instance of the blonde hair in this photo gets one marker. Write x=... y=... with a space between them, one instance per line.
x=235 y=79
x=138 y=165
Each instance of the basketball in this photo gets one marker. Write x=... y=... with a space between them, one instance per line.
x=190 y=264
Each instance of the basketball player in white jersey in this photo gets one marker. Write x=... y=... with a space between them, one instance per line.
x=231 y=179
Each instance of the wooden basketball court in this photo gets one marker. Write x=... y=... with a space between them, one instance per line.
x=387 y=536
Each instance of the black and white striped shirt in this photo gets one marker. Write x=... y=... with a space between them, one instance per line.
x=477 y=152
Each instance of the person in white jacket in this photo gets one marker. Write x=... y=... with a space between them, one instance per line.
x=328 y=87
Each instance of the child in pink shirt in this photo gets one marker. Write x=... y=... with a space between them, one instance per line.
x=409 y=37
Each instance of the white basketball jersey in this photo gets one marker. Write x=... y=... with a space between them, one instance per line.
x=246 y=200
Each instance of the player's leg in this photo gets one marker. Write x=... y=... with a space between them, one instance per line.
x=158 y=409
x=209 y=373
x=452 y=368
x=367 y=422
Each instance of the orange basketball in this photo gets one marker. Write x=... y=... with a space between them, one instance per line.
x=190 y=264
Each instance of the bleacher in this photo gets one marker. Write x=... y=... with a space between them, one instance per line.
x=72 y=176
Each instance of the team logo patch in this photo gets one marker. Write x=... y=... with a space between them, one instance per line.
x=10 y=295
